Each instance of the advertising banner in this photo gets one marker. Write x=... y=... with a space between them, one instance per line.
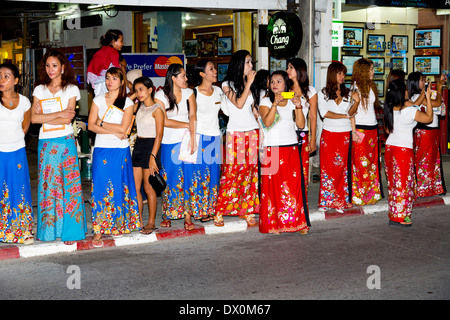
x=153 y=65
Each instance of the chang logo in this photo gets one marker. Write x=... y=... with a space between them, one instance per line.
x=279 y=27
x=162 y=64
x=279 y=37
x=284 y=34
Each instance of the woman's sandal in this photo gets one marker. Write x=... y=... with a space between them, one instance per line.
x=28 y=240
x=166 y=224
x=251 y=221
x=149 y=230
x=405 y=223
x=97 y=243
x=189 y=226
x=206 y=219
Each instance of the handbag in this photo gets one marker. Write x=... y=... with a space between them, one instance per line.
x=157 y=182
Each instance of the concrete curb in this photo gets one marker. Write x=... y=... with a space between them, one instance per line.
x=12 y=251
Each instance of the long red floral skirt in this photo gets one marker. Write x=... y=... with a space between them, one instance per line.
x=400 y=182
x=238 y=191
x=366 y=180
x=283 y=205
x=428 y=163
x=335 y=170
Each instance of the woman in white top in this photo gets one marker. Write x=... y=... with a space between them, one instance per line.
x=283 y=196
x=180 y=108
x=298 y=76
x=400 y=118
x=427 y=154
x=146 y=156
x=366 y=175
x=209 y=103
x=238 y=193
x=336 y=109
x=114 y=200
x=16 y=213
x=61 y=212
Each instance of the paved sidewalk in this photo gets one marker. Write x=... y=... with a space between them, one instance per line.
x=232 y=224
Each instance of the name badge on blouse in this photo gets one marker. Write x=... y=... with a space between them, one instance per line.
x=345 y=100
x=218 y=102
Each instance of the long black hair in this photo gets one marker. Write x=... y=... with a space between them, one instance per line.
x=173 y=70
x=413 y=83
x=395 y=96
x=148 y=83
x=200 y=66
x=260 y=84
x=235 y=72
x=302 y=75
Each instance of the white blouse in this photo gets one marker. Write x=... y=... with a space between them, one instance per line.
x=404 y=123
x=305 y=106
x=208 y=108
x=172 y=135
x=334 y=125
x=105 y=140
x=41 y=92
x=283 y=132
x=11 y=133
x=366 y=117
x=240 y=119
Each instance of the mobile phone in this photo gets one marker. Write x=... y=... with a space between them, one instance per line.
x=287 y=95
x=426 y=86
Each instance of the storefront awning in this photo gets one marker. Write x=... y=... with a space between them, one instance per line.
x=219 y=4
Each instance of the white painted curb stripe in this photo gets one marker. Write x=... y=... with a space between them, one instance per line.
x=446 y=199
x=40 y=249
x=232 y=226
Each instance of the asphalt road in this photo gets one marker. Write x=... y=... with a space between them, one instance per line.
x=350 y=258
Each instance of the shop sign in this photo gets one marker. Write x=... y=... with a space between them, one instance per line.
x=153 y=65
x=435 y=4
x=337 y=33
x=284 y=34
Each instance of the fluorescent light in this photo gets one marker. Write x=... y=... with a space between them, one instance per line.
x=96 y=6
x=60 y=13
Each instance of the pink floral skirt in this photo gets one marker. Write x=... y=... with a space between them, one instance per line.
x=400 y=181
x=334 y=170
x=366 y=181
x=428 y=163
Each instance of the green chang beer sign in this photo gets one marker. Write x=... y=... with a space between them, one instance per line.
x=284 y=34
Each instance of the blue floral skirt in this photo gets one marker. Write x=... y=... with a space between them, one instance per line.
x=16 y=219
x=61 y=212
x=192 y=188
x=114 y=201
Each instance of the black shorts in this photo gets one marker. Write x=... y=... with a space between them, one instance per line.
x=141 y=153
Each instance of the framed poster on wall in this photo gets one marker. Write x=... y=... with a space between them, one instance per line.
x=428 y=65
x=222 y=69
x=225 y=46
x=353 y=37
x=380 y=87
x=427 y=38
x=191 y=48
x=399 y=43
x=348 y=62
x=375 y=43
x=378 y=65
x=400 y=64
